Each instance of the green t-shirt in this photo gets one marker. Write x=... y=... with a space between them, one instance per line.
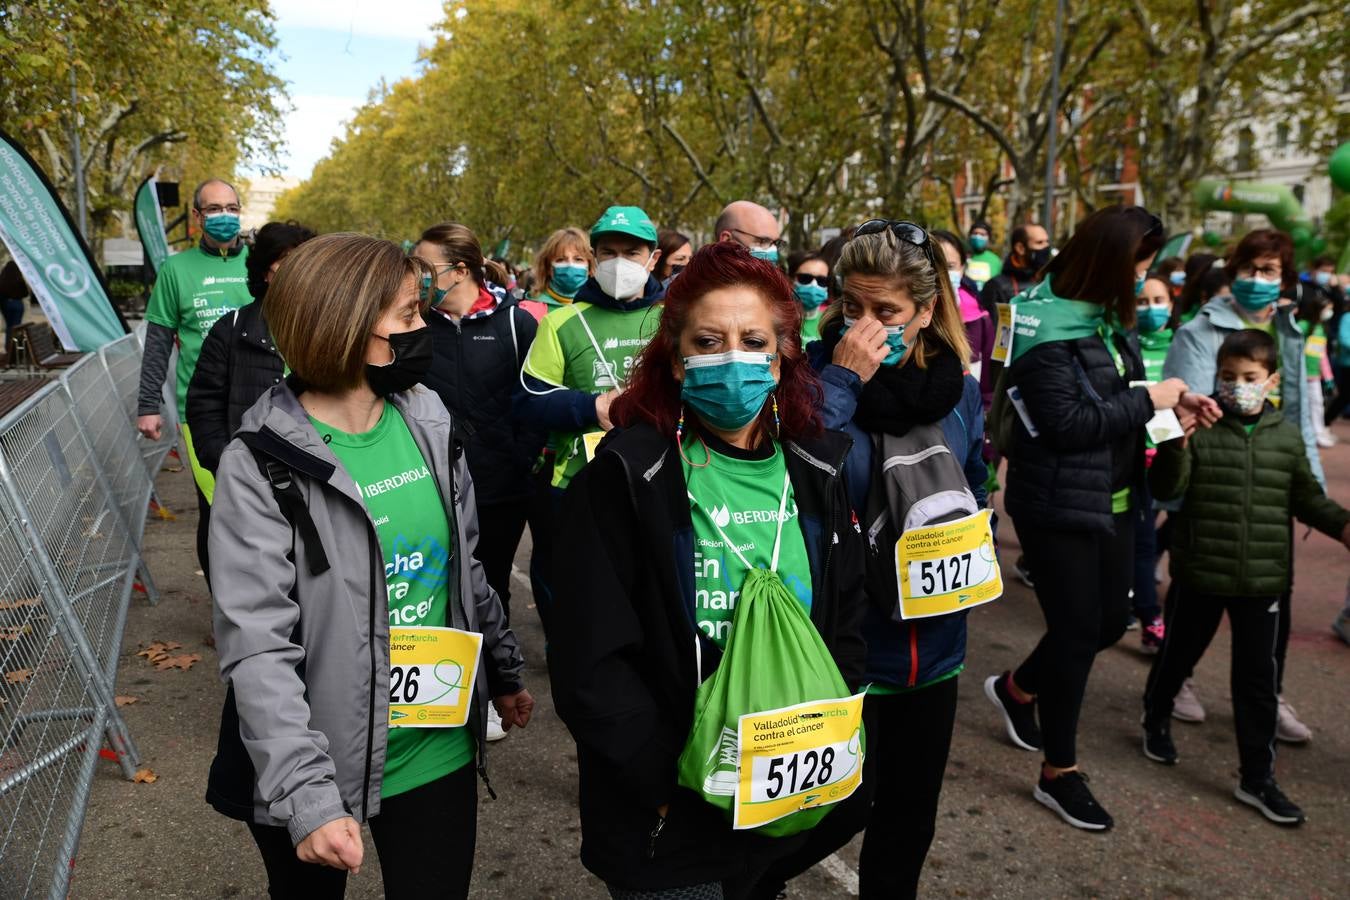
x=565 y=353
x=1154 y=348
x=811 y=326
x=983 y=266
x=743 y=497
x=193 y=290
x=410 y=518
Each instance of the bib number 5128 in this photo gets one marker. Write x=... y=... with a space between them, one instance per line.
x=799 y=772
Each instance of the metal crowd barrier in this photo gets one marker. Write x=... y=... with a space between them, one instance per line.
x=74 y=490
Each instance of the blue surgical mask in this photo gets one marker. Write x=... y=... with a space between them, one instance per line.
x=895 y=339
x=769 y=255
x=567 y=279
x=1152 y=318
x=810 y=296
x=727 y=390
x=1178 y=278
x=955 y=275
x=1322 y=278
x=222 y=227
x=1255 y=294
x=978 y=242
x=434 y=295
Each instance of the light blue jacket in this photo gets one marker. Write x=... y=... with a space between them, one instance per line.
x=1194 y=356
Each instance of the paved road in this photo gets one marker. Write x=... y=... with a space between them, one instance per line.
x=1179 y=833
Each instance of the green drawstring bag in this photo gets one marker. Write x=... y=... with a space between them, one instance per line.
x=777 y=739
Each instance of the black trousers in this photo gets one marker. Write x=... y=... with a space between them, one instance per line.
x=500 y=526
x=1145 y=599
x=1337 y=404
x=425 y=838
x=1255 y=625
x=908 y=738
x=203 y=530
x=1083 y=586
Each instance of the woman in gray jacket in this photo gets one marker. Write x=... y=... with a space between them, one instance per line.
x=357 y=634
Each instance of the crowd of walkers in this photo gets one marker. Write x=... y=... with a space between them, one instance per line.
x=710 y=442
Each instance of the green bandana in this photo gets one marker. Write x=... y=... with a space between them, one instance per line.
x=1043 y=317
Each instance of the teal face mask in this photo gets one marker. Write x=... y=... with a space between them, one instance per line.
x=1139 y=284
x=222 y=227
x=770 y=255
x=1151 y=318
x=727 y=390
x=1255 y=294
x=810 y=296
x=978 y=242
x=568 y=279
x=895 y=339
x=433 y=295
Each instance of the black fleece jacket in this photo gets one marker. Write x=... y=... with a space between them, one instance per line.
x=624 y=649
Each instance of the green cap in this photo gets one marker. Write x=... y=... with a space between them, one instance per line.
x=629 y=220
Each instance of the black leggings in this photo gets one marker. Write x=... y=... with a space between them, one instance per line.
x=908 y=738
x=1255 y=624
x=1337 y=404
x=425 y=838
x=1083 y=585
x=500 y=526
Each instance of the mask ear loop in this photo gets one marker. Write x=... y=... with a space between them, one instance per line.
x=679 y=442
x=777 y=425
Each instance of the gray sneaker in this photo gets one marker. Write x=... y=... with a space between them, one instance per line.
x=1186 y=707
x=1287 y=726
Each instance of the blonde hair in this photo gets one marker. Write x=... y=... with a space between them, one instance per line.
x=569 y=238
x=324 y=301
x=909 y=268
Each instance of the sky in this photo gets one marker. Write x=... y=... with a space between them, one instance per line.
x=331 y=53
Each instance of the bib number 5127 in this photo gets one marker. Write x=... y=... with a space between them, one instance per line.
x=938 y=576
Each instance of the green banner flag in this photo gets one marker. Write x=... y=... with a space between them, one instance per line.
x=38 y=232
x=150 y=224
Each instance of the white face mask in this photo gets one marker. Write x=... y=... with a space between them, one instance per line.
x=621 y=278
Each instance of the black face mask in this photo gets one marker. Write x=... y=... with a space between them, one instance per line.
x=1039 y=258
x=412 y=360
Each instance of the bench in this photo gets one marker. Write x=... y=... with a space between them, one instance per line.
x=14 y=392
x=36 y=343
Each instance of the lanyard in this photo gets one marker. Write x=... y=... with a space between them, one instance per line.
x=778 y=537
x=595 y=345
x=1107 y=335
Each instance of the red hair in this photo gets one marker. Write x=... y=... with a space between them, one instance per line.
x=653 y=394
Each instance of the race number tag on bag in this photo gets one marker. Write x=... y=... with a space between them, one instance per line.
x=797 y=758
x=1003 y=342
x=431 y=675
x=947 y=568
x=591 y=440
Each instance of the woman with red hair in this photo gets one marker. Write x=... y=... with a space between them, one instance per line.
x=719 y=434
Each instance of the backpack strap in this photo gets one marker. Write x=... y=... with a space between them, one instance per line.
x=293 y=507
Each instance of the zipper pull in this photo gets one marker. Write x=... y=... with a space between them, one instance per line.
x=656 y=833
x=487 y=782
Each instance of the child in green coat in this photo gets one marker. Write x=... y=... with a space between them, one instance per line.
x=1240 y=483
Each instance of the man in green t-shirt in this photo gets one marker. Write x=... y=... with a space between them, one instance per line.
x=984 y=263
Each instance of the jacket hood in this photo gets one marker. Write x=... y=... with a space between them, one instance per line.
x=500 y=298
x=591 y=293
x=647 y=450
x=1222 y=314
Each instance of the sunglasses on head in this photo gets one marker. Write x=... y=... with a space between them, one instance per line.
x=822 y=280
x=905 y=231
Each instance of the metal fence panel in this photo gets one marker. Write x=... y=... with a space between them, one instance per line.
x=122 y=358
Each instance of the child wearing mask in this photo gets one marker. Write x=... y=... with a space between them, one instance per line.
x=1153 y=310
x=1240 y=483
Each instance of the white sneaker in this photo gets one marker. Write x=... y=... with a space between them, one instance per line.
x=1326 y=440
x=1186 y=707
x=495 y=732
x=1287 y=726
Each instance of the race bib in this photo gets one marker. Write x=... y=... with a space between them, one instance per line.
x=1003 y=342
x=979 y=271
x=1316 y=346
x=431 y=676
x=591 y=440
x=796 y=758
x=947 y=568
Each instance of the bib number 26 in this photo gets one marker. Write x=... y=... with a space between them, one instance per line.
x=404 y=684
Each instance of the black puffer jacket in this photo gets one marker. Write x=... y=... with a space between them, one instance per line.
x=1090 y=425
x=475 y=370
x=238 y=364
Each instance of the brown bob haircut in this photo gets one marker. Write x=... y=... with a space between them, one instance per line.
x=1265 y=242
x=1098 y=262
x=325 y=299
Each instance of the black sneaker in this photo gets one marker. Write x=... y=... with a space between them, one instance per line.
x=1018 y=718
x=1158 y=744
x=1267 y=797
x=1069 y=796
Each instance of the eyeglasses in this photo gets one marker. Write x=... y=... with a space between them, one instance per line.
x=905 y=231
x=822 y=280
x=216 y=209
x=760 y=240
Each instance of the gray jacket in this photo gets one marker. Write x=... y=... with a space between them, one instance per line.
x=307 y=657
x=1194 y=358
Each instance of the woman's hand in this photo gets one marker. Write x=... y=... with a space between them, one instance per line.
x=602 y=404
x=515 y=709
x=1167 y=394
x=336 y=843
x=862 y=348
x=1204 y=410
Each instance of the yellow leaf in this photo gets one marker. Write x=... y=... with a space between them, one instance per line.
x=144 y=776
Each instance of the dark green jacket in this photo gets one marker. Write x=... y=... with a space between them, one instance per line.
x=1238 y=493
